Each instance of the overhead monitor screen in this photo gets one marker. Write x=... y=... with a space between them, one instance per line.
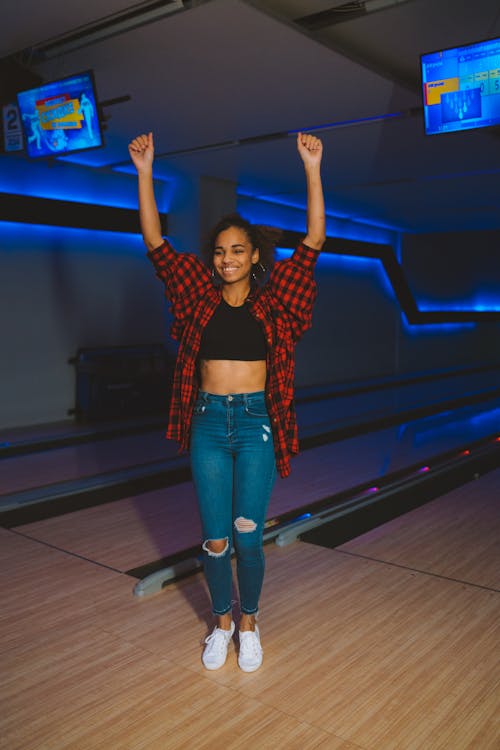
x=61 y=117
x=461 y=87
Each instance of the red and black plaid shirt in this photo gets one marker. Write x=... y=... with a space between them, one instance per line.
x=283 y=307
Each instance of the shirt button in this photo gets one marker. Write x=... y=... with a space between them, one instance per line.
x=275 y=419
x=229 y=398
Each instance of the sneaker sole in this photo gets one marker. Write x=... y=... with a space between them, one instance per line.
x=250 y=669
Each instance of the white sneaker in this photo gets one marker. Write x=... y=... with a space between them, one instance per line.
x=215 y=653
x=250 y=656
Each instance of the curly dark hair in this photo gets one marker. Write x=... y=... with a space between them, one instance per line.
x=261 y=237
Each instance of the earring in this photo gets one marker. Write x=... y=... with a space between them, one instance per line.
x=262 y=271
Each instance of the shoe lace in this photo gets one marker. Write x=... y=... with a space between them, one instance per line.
x=216 y=641
x=250 y=644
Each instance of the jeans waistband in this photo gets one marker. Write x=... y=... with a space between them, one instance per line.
x=232 y=398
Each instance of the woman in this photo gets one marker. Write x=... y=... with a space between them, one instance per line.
x=232 y=400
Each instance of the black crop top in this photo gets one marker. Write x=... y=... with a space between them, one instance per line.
x=233 y=333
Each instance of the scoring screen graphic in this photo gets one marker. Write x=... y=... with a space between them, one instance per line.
x=461 y=87
x=60 y=117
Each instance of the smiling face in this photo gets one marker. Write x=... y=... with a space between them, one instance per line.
x=234 y=255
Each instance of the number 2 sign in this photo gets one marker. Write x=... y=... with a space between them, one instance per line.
x=12 y=130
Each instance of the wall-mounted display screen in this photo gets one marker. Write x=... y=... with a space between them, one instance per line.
x=461 y=87
x=61 y=117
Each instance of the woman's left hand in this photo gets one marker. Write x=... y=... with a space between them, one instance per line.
x=310 y=149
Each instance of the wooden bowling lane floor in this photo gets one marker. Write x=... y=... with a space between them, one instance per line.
x=74 y=462
x=390 y=642
x=143 y=528
x=147 y=527
x=458 y=535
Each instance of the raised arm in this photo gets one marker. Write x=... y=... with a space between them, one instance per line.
x=310 y=149
x=141 y=151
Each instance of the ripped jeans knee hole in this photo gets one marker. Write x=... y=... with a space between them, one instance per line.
x=209 y=543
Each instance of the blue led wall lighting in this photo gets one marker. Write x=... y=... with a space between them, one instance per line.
x=70 y=182
x=367 y=244
x=397 y=283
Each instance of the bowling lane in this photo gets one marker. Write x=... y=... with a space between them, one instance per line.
x=79 y=461
x=74 y=462
x=345 y=409
x=140 y=529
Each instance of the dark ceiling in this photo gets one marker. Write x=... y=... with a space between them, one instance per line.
x=214 y=79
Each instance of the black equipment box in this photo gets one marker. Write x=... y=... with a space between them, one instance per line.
x=121 y=382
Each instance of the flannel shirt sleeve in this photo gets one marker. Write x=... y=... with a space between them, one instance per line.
x=292 y=284
x=185 y=276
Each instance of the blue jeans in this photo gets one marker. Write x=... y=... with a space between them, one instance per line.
x=234 y=468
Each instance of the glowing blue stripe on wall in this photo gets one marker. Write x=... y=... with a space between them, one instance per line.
x=38 y=186
x=34 y=238
x=423 y=329
x=272 y=215
x=376 y=265
x=68 y=182
x=290 y=214
x=464 y=306
x=349 y=264
x=29 y=237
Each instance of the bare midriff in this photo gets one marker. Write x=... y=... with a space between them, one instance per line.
x=225 y=376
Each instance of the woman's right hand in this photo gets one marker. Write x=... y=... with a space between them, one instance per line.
x=141 y=151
